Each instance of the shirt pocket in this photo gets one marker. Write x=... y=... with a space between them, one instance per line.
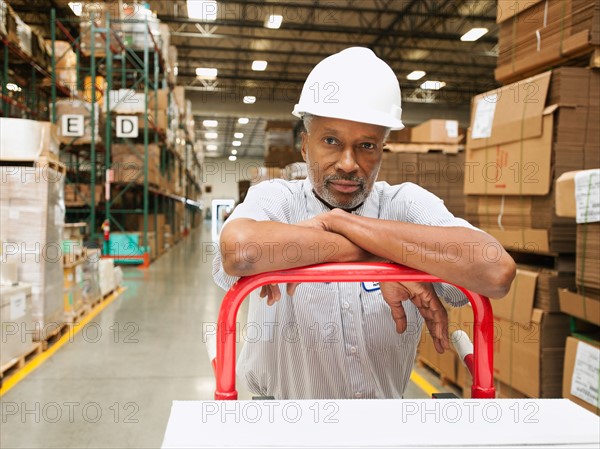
x=315 y=324
x=379 y=327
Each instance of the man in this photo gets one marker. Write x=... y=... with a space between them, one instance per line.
x=349 y=340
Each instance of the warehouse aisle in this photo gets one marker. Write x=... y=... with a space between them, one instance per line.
x=112 y=385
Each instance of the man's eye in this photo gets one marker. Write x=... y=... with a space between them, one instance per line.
x=368 y=146
x=330 y=140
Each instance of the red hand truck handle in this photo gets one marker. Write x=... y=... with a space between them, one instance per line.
x=483 y=326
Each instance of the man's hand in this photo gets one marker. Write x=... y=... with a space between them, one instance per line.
x=429 y=305
x=273 y=294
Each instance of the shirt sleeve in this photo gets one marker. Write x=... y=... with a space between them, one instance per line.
x=427 y=209
x=267 y=201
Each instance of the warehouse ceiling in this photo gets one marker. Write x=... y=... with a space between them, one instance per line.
x=409 y=34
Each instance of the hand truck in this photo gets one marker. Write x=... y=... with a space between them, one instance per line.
x=478 y=357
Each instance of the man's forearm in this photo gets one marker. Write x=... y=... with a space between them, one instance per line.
x=466 y=257
x=250 y=247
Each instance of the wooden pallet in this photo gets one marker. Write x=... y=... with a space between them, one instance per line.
x=444 y=380
x=75 y=317
x=71 y=260
x=52 y=336
x=19 y=362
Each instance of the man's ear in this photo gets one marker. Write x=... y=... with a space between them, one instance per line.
x=304 y=148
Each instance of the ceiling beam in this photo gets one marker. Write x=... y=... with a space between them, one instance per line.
x=290 y=26
x=321 y=55
x=330 y=6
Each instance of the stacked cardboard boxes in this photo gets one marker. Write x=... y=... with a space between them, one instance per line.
x=581 y=373
x=15 y=318
x=522 y=137
x=127 y=161
x=279 y=144
x=35 y=196
x=534 y=35
x=441 y=174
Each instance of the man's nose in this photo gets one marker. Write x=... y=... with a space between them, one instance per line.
x=347 y=161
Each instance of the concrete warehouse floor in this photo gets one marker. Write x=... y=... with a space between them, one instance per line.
x=113 y=383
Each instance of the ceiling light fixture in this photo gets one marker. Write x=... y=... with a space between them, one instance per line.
x=473 y=34
x=76 y=7
x=211 y=135
x=205 y=10
x=210 y=123
x=238 y=135
x=243 y=120
x=211 y=147
x=415 y=75
x=249 y=99
x=232 y=158
x=273 y=21
x=236 y=143
x=233 y=151
x=432 y=85
x=206 y=73
x=259 y=66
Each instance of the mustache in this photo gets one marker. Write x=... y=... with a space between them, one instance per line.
x=340 y=177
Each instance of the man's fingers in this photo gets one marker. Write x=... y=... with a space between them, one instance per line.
x=399 y=316
x=291 y=288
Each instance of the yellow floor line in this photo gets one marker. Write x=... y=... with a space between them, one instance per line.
x=35 y=363
x=423 y=384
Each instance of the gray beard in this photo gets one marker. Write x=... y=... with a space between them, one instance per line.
x=328 y=197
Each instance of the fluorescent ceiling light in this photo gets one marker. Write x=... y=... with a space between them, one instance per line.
x=211 y=135
x=76 y=7
x=243 y=120
x=238 y=135
x=249 y=99
x=236 y=143
x=233 y=151
x=259 y=66
x=205 y=10
x=415 y=75
x=273 y=21
x=206 y=73
x=210 y=123
x=473 y=34
x=432 y=85
x=232 y=158
x=211 y=147
x=13 y=87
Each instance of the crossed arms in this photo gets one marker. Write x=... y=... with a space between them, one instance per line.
x=459 y=255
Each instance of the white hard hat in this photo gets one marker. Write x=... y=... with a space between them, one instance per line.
x=355 y=85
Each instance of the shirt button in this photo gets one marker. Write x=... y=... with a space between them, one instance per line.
x=358 y=395
x=346 y=305
x=353 y=349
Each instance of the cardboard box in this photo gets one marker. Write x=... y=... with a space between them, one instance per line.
x=517 y=130
x=436 y=131
x=35 y=196
x=587 y=265
x=127 y=161
x=566 y=200
x=585 y=307
x=581 y=357
x=15 y=318
x=161 y=102
x=528 y=342
x=402 y=136
x=534 y=35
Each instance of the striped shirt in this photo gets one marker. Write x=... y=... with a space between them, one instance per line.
x=332 y=340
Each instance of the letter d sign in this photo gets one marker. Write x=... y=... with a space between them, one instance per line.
x=127 y=126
